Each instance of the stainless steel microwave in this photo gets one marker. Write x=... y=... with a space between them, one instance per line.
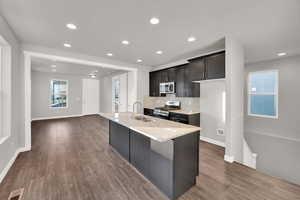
x=167 y=88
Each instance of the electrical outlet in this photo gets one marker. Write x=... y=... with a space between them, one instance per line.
x=220 y=131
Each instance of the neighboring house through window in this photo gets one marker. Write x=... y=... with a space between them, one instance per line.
x=59 y=94
x=263 y=94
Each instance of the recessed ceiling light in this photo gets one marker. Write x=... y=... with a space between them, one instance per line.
x=154 y=20
x=281 y=54
x=96 y=71
x=67 y=45
x=53 y=66
x=92 y=75
x=139 y=60
x=71 y=26
x=53 y=70
x=109 y=54
x=191 y=39
x=159 y=52
x=125 y=42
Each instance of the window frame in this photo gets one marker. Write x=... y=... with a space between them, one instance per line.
x=276 y=94
x=50 y=93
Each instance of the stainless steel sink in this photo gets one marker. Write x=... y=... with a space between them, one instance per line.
x=142 y=118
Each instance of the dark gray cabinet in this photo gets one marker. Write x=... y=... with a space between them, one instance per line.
x=215 y=66
x=119 y=137
x=154 y=83
x=202 y=68
x=172 y=165
x=191 y=88
x=140 y=152
x=180 y=81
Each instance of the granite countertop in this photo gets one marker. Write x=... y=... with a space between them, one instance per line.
x=157 y=129
x=185 y=112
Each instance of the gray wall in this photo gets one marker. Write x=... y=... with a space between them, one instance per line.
x=40 y=88
x=277 y=141
x=15 y=141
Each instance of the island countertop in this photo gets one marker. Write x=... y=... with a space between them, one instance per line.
x=157 y=129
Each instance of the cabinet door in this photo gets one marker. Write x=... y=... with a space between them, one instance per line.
x=119 y=138
x=154 y=84
x=197 y=69
x=180 y=77
x=164 y=76
x=148 y=111
x=215 y=66
x=192 y=89
x=171 y=74
x=140 y=152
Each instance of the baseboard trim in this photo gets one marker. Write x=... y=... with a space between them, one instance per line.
x=229 y=159
x=55 y=117
x=212 y=141
x=11 y=162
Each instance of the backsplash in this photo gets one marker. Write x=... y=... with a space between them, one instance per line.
x=187 y=103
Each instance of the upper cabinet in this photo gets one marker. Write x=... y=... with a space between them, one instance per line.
x=215 y=66
x=154 y=78
x=187 y=77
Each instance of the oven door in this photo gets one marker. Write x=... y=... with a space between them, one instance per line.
x=161 y=116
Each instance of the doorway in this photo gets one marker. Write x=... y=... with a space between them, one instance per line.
x=90 y=96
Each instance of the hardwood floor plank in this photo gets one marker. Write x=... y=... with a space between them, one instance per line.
x=72 y=160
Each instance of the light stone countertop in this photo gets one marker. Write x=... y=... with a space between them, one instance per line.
x=185 y=112
x=157 y=129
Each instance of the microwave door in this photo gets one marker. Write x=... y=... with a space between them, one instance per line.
x=171 y=88
x=167 y=88
x=162 y=88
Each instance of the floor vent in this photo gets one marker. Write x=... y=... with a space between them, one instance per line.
x=16 y=194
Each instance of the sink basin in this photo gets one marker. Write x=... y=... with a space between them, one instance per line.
x=142 y=118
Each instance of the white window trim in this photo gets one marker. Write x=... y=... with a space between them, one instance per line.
x=67 y=94
x=276 y=93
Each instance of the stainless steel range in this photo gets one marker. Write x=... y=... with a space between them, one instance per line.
x=163 y=112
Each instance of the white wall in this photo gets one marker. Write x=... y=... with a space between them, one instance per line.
x=138 y=87
x=106 y=94
x=234 y=100
x=40 y=95
x=212 y=109
x=10 y=146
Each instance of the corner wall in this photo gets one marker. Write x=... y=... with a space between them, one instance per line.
x=234 y=100
x=277 y=141
x=10 y=147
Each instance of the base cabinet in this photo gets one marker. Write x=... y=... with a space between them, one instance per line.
x=140 y=152
x=172 y=166
x=119 y=139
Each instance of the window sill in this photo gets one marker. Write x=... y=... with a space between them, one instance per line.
x=3 y=139
x=263 y=116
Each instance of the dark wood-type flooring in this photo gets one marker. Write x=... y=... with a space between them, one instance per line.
x=72 y=160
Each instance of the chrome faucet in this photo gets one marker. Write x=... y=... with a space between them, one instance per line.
x=137 y=103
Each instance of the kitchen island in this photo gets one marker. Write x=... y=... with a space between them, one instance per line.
x=165 y=152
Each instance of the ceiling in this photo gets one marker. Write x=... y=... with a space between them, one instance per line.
x=45 y=65
x=265 y=27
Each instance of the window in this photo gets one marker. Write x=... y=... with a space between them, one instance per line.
x=59 y=94
x=263 y=94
